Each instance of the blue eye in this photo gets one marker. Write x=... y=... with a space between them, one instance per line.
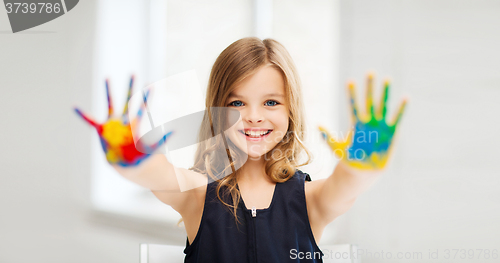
x=236 y=103
x=273 y=103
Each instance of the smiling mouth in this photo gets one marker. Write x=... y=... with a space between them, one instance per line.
x=255 y=134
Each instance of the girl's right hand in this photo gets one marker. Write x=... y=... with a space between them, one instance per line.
x=116 y=137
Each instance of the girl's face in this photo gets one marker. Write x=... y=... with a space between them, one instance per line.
x=260 y=100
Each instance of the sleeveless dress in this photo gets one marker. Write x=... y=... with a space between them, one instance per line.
x=275 y=234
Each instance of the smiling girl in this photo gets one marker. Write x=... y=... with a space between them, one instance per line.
x=264 y=208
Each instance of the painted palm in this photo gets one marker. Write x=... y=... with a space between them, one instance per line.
x=116 y=137
x=368 y=145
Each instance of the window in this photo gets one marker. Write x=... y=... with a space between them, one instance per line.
x=155 y=39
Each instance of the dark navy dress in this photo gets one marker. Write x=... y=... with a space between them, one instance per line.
x=275 y=234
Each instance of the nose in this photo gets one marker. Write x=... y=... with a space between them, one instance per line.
x=254 y=116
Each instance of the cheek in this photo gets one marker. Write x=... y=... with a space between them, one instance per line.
x=280 y=119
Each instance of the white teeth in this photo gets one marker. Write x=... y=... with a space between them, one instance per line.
x=255 y=133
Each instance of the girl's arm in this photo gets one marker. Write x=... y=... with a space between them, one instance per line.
x=363 y=156
x=335 y=195
x=164 y=179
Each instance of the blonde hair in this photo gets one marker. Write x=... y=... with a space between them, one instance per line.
x=238 y=61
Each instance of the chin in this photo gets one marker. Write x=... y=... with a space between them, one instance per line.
x=256 y=155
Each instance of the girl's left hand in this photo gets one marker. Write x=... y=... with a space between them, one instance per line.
x=369 y=143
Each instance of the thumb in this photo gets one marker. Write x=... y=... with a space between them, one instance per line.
x=332 y=142
x=86 y=118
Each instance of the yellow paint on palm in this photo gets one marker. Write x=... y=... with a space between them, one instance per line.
x=112 y=156
x=373 y=162
x=115 y=133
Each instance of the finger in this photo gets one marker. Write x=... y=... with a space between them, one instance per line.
x=131 y=84
x=328 y=138
x=86 y=118
x=155 y=146
x=352 y=98
x=140 y=112
x=382 y=112
x=110 y=103
x=145 y=97
x=400 y=113
x=369 y=96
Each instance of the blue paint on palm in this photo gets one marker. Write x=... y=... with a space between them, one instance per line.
x=371 y=137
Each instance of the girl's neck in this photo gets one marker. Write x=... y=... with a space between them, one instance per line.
x=253 y=172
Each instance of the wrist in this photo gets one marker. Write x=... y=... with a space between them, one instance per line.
x=357 y=169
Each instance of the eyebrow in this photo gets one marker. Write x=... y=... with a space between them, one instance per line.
x=266 y=95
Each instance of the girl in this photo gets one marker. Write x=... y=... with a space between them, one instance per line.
x=258 y=207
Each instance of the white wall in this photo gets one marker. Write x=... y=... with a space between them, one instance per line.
x=441 y=191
